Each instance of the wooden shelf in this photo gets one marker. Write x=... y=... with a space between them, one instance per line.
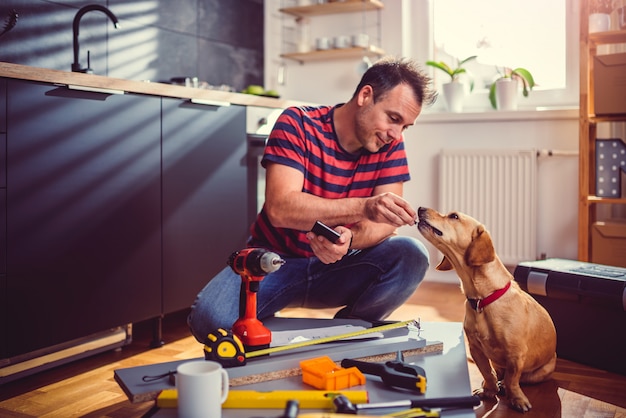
x=618 y=117
x=334 y=7
x=608 y=200
x=335 y=53
x=610 y=37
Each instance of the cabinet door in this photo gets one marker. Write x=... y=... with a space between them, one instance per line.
x=204 y=195
x=83 y=213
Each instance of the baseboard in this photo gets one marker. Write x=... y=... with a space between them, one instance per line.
x=40 y=360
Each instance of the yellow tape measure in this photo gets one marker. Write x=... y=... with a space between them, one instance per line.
x=224 y=347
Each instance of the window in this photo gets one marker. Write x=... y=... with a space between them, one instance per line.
x=539 y=35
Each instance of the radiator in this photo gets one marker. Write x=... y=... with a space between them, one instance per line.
x=498 y=188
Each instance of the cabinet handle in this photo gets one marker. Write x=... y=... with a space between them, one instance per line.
x=95 y=89
x=210 y=102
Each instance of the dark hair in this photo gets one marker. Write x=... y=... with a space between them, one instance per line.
x=389 y=72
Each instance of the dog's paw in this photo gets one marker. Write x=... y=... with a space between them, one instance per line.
x=501 y=389
x=486 y=395
x=520 y=404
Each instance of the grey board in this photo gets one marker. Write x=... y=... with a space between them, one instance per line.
x=130 y=379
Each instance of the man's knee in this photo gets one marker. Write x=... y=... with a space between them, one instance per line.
x=411 y=251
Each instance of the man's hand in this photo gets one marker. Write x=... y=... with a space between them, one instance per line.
x=391 y=209
x=326 y=251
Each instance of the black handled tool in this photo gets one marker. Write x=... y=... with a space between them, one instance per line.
x=343 y=405
x=395 y=373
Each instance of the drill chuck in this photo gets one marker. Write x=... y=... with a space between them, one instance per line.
x=255 y=262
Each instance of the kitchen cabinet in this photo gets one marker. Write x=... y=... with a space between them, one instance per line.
x=83 y=212
x=204 y=195
x=338 y=7
x=3 y=216
x=588 y=200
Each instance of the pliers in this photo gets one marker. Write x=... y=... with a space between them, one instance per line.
x=393 y=373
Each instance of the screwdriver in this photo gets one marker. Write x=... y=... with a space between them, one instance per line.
x=395 y=373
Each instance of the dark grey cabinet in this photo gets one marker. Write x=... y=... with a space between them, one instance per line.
x=83 y=198
x=3 y=217
x=204 y=195
x=113 y=208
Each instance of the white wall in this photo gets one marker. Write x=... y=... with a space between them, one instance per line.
x=331 y=82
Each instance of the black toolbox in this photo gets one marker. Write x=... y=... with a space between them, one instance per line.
x=587 y=303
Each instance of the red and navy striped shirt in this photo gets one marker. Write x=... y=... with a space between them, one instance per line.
x=304 y=138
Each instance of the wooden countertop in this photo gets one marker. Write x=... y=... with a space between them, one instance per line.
x=24 y=72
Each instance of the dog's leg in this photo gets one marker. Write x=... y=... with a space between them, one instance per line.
x=541 y=374
x=489 y=388
x=517 y=399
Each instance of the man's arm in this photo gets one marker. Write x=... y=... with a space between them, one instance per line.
x=374 y=218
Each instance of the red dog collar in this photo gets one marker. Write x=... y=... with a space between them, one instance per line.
x=479 y=304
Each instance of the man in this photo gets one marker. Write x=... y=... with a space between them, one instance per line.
x=343 y=165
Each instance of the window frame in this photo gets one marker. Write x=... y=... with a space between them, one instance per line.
x=539 y=98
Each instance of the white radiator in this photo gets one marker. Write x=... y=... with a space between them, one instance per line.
x=499 y=189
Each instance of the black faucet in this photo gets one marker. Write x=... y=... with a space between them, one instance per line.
x=76 y=65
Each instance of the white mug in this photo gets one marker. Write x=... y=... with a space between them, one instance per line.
x=202 y=387
x=360 y=40
x=322 y=43
x=341 y=41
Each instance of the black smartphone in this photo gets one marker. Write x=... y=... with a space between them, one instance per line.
x=324 y=230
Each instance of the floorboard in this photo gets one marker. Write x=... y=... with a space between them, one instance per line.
x=86 y=388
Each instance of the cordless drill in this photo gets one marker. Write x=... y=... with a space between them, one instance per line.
x=252 y=264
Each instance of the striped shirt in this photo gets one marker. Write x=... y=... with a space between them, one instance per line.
x=304 y=138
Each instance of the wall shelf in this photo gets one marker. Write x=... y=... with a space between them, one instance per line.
x=588 y=201
x=336 y=53
x=347 y=6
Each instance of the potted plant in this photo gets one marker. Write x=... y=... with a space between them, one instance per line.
x=454 y=90
x=503 y=92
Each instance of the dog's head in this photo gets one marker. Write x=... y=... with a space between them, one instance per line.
x=462 y=239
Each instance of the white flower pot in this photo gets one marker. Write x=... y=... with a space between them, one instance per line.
x=507 y=93
x=454 y=93
x=599 y=22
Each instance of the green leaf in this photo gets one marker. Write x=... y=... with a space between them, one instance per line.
x=492 y=95
x=473 y=57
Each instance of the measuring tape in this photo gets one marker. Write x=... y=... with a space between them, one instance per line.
x=226 y=348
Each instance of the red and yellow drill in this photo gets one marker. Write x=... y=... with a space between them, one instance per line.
x=252 y=264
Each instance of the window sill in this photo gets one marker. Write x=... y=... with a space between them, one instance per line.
x=477 y=115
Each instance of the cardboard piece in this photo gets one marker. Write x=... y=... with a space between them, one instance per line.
x=609 y=78
x=608 y=242
x=280 y=365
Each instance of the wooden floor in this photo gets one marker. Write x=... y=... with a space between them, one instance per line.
x=86 y=387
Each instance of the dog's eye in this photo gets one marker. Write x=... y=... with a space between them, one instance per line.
x=453 y=216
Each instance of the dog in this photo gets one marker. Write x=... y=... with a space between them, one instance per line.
x=512 y=338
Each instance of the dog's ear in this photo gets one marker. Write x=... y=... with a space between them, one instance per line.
x=444 y=265
x=480 y=250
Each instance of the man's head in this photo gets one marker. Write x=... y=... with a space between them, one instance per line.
x=387 y=101
x=389 y=72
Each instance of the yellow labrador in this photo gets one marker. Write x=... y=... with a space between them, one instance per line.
x=511 y=337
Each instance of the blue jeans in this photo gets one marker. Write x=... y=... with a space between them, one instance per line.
x=369 y=284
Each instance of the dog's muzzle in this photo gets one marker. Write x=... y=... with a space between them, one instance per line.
x=423 y=225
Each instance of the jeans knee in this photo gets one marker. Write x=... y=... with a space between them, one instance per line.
x=411 y=255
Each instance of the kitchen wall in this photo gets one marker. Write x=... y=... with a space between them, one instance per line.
x=219 y=41
x=400 y=24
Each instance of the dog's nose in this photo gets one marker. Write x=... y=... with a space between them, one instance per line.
x=421 y=211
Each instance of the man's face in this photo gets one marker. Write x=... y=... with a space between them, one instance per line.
x=378 y=124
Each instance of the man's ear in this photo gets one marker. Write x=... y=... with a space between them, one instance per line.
x=480 y=250
x=366 y=93
x=444 y=265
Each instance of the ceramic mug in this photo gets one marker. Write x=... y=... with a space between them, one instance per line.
x=341 y=41
x=360 y=40
x=322 y=43
x=202 y=387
